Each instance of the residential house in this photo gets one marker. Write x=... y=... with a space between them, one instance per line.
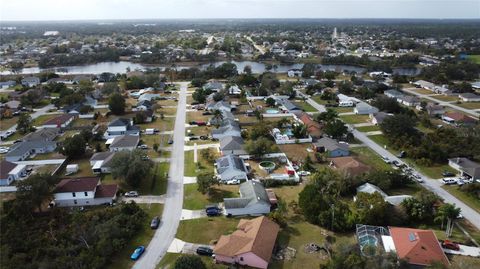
x=231 y=167
x=47 y=134
x=72 y=109
x=214 y=86
x=409 y=100
x=23 y=150
x=148 y=97
x=424 y=84
x=314 y=128
x=84 y=191
x=371 y=189
x=10 y=172
x=232 y=145
x=61 y=121
x=349 y=166
x=469 y=97
x=363 y=108
x=466 y=167
x=228 y=129
x=234 y=90
x=148 y=114
x=30 y=81
x=393 y=94
x=227 y=117
x=121 y=126
x=253 y=201
x=458 y=119
x=250 y=245
x=418 y=247
x=331 y=147
x=289 y=106
x=434 y=110
x=144 y=105
x=378 y=118
x=100 y=162
x=220 y=105
x=123 y=143
x=7 y=84
x=441 y=90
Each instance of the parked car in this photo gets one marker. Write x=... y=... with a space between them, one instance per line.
x=155 y=222
x=303 y=173
x=3 y=150
x=211 y=212
x=193 y=138
x=137 y=253
x=206 y=113
x=401 y=154
x=143 y=146
x=418 y=178
x=203 y=137
x=449 y=181
x=233 y=182
x=170 y=141
x=131 y=194
x=201 y=123
x=386 y=160
x=205 y=251
x=396 y=163
x=192 y=123
x=448 y=174
x=450 y=245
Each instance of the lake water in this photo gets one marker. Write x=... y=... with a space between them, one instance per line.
x=257 y=68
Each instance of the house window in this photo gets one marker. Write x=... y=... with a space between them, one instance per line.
x=73 y=194
x=75 y=201
x=241 y=259
x=86 y=194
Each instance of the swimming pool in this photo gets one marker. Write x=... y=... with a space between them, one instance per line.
x=272 y=111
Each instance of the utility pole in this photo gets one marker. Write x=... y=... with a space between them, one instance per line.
x=333 y=215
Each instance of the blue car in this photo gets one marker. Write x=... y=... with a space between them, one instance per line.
x=137 y=253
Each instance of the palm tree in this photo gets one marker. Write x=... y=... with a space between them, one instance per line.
x=299 y=131
x=217 y=117
x=283 y=122
x=449 y=213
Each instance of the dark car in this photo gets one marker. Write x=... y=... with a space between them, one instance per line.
x=204 y=137
x=211 y=212
x=401 y=154
x=155 y=222
x=448 y=174
x=193 y=138
x=192 y=123
x=450 y=245
x=170 y=141
x=206 y=113
x=205 y=251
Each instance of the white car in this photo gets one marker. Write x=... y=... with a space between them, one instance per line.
x=303 y=173
x=131 y=194
x=233 y=182
x=449 y=181
x=386 y=159
x=3 y=151
x=418 y=178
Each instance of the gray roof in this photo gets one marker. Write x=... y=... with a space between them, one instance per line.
x=393 y=93
x=410 y=99
x=46 y=134
x=331 y=144
x=230 y=162
x=251 y=192
x=213 y=85
x=124 y=141
x=119 y=122
x=380 y=116
x=370 y=188
x=21 y=148
x=469 y=95
x=289 y=105
x=468 y=166
x=232 y=144
x=106 y=157
x=227 y=127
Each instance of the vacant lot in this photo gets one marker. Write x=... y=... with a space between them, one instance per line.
x=474 y=58
x=354 y=119
x=195 y=200
x=422 y=91
x=366 y=129
x=297 y=152
x=369 y=157
x=197 y=116
x=7 y=123
x=305 y=106
x=205 y=230
x=468 y=199
x=193 y=169
x=470 y=105
x=445 y=98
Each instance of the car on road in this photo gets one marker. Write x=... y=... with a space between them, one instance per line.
x=396 y=163
x=448 y=174
x=450 y=245
x=233 y=182
x=155 y=222
x=204 y=251
x=449 y=181
x=193 y=138
x=401 y=154
x=418 y=178
x=137 y=253
x=203 y=137
x=386 y=159
x=131 y=194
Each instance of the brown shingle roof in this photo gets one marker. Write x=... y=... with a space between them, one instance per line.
x=106 y=191
x=460 y=117
x=419 y=247
x=349 y=165
x=5 y=168
x=77 y=184
x=257 y=236
x=58 y=120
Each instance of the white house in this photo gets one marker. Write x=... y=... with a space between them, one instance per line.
x=363 y=108
x=100 y=162
x=121 y=127
x=10 y=172
x=234 y=90
x=469 y=97
x=30 y=81
x=84 y=191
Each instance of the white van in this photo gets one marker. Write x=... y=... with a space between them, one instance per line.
x=150 y=131
x=345 y=103
x=449 y=181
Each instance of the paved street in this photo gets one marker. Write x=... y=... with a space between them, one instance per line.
x=37 y=113
x=433 y=185
x=174 y=198
x=443 y=103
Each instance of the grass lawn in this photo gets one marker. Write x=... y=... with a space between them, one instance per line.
x=305 y=106
x=200 y=130
x=84 y=168
x=169 y=259
x=343 y=109
x=469 y=105
x=7 y=123
x=353 y=119
x=320 y=101
x=288 y=193
x=474 y=58
x=42 y=118
x=165 y=124
x=379 y=139
x=434 y=171
x=194 y=200
x=205 y=230
x=445 y=98
x=468 y=199
x=193 y=169
x=122 y=259
x=369 y=157
x=197 y=116
x=297 y=152
x=422 y=91
x=368 y=128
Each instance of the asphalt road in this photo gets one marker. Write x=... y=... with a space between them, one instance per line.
x=37 y=113
x=443 y=103
x=172 y=209
x=433 y=185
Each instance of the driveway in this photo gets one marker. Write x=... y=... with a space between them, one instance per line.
x=312 y=102
x=172 y=209
x=193 y=214
x=145 y=199
x=464 y=251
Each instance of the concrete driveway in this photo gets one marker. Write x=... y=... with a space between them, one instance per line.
x=145 y=199
x=464 y=251
x=172 y=209
x=193 y=214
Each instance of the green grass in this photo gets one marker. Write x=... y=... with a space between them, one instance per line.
x=122 y=259
x=469 y=105
x=42 y=118
x=354 y=119
x=320 y=101
x=368 y=128
x=305 y=106
x=468 y=199
x=193 y=169
x=194 y=200
x=343 y=109
x=434 y=171
x=169 y=259
x=474 y=58
x=205 y=230
x=379 y=139
x=445 y=98
x=369 y=157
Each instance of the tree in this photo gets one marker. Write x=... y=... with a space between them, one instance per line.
x=371 y=208
x=308 y=164
x=259 y=146
x=74 y=146
x=261 y=129
x=24 y=123
x=35 y=190
x=270 y=102
x=300 y=131
x=398 y=126
x=116 y=104
x=189 y=262
x=449 y=213
x=205 y=182
x=336 y=129
x=155 y=147
x=217 y=117
x=140 y=117
x=326 y=116
x=131 y=167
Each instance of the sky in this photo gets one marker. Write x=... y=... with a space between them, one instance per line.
x=32 y=10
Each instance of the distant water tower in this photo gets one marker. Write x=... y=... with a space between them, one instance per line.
x=334 y=35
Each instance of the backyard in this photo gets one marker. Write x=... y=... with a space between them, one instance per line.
x=194 y=200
